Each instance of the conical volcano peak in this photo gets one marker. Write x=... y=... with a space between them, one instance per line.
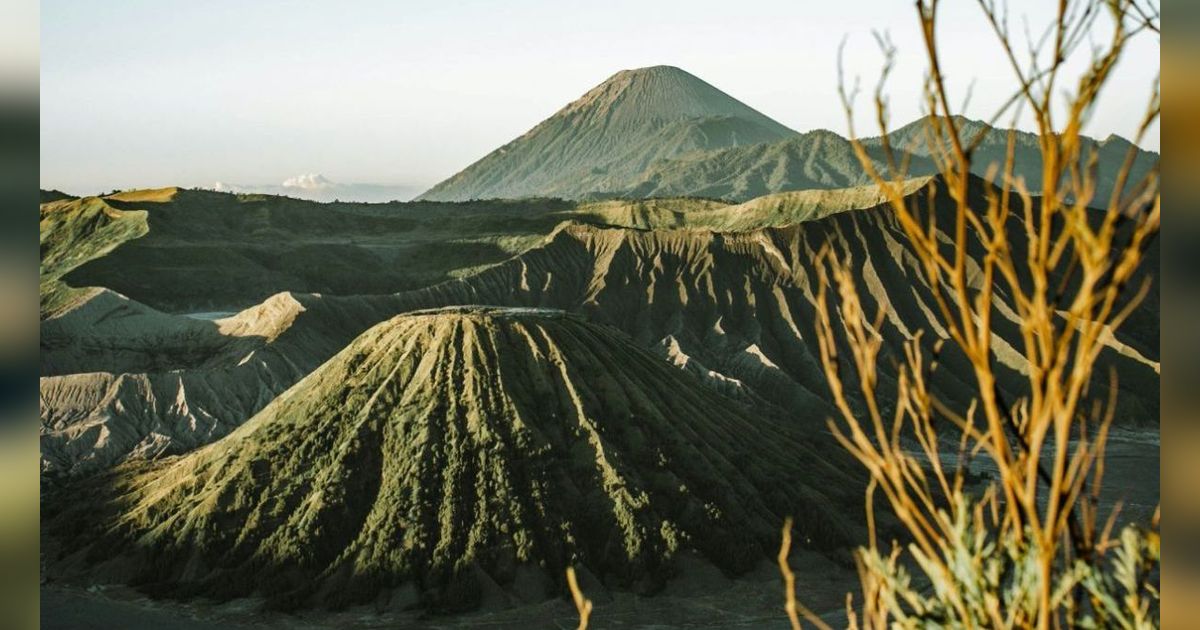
x=663 y=93
x=603 y=142
x=660 y=72
x=460 y=447
x=656 y=69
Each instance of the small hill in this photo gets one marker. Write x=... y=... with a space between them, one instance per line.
x=147 y=195
x=604 y=141
x=73 y=232
x=800 y=206
x=121 y=380
x=452 y=456
x=774 y=210
x=46 y=196
x=649 y=214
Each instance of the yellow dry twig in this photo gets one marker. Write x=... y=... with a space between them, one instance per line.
x=582 y=604
x=1062 y=268
x=793 y=607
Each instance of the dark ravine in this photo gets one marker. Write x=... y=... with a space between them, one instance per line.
x=451 y=453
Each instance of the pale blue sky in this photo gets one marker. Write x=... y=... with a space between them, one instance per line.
x=140 y=93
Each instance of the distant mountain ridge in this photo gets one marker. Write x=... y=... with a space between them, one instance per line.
x=662 y=132
x=992 y=149
x=817 y=159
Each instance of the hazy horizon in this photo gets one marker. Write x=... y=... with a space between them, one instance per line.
x=142 y=94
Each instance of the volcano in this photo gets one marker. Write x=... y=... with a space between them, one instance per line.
x=448 y=454
x=604 y=141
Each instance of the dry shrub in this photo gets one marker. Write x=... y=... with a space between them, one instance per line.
x=1029 y=549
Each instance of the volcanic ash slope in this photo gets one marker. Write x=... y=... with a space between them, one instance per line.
x=447 y=456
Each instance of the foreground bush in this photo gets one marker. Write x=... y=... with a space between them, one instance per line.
x=1027 y=547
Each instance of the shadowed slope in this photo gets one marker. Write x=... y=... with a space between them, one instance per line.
x=190 y=250
x=47 y=196
x=456 y=450
x=72 y=232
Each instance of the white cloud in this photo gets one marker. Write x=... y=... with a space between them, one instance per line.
x=309 y=181
x=317 y=187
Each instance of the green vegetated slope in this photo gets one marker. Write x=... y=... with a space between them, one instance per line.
x=207 y=251
x=452 y=455
x=774 y=210
x=72 y=232
x=47 y=196
x=204 y=251
x=733 y=307
x=448 y=458
x=602 y=142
